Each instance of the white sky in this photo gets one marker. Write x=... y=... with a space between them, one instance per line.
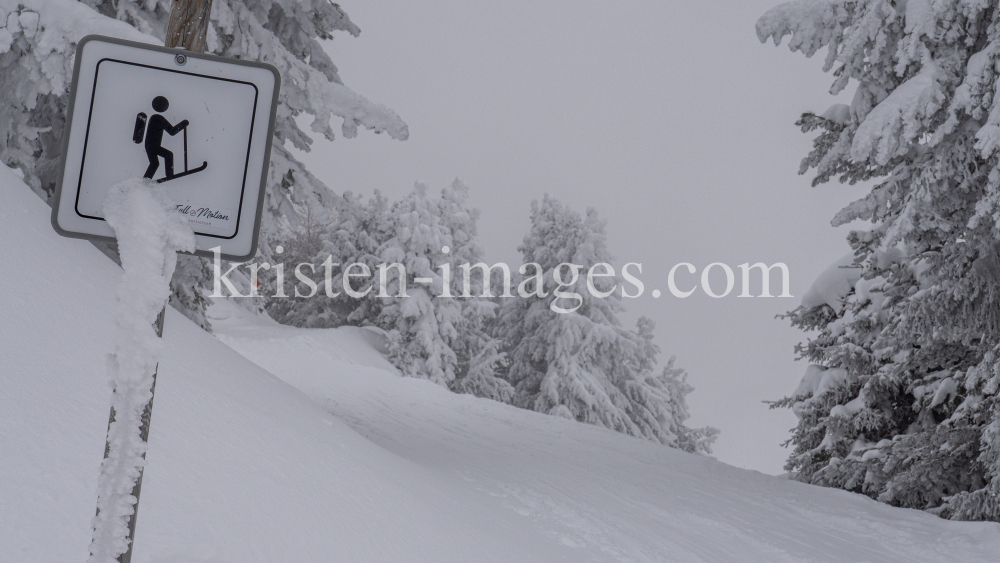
x=669 y=118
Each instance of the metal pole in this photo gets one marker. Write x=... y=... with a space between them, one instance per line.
x=187 y=29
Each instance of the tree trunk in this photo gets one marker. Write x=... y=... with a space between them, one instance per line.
x=188 y=25
x=187 y=29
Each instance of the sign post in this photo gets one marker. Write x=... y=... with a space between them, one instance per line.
x=225 y=109
x=188 y=25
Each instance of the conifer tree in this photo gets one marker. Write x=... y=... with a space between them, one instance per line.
x=569 y=354
x=901 y=400
x=321 y=249
x=436 y=331
x=480 y=357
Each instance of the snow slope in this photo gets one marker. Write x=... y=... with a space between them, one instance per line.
x=241 y=467
x=342 y=460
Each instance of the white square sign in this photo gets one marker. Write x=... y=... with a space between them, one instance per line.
x=201 y=125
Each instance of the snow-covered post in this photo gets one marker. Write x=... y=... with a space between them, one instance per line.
x=125 y=450
x=150 y=233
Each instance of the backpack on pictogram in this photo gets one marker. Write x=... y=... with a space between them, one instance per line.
x=140 y=128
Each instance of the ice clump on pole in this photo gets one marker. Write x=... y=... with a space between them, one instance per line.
x=150 y=233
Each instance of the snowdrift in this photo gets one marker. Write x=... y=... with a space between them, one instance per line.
x=306 y=446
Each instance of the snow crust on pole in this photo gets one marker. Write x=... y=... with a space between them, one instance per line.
x=150 y=232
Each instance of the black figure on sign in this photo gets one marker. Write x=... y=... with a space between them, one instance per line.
x=154 y=130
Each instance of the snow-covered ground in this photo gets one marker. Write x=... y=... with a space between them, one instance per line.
x=271 y=443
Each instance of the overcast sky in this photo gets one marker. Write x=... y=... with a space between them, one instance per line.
x=669 y=118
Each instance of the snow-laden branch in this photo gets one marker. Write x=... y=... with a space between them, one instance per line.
x=896 y=122
x=305 y=88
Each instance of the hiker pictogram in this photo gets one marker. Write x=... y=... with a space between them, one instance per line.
x=154 y=128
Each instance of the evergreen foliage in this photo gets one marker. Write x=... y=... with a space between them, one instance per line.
x=901 y=402
x=435 y=331
x=569 y=354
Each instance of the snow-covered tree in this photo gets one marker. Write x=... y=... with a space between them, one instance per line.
x=436 y=331
x=37 y=44
x=315 y=246
x=569 y=354
x=480 y=357
x=437 y=334
x=300 y=253
x=901 y=402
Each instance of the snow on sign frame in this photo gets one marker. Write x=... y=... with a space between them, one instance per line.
x=198 y=124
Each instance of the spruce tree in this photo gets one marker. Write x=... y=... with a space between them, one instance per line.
x=569 y=354
x=901 y=400
x=480 y=357
x=436 y=331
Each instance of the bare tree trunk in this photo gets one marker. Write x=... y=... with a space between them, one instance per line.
x=188 y=25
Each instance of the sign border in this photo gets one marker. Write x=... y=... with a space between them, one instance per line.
x=57 y=197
